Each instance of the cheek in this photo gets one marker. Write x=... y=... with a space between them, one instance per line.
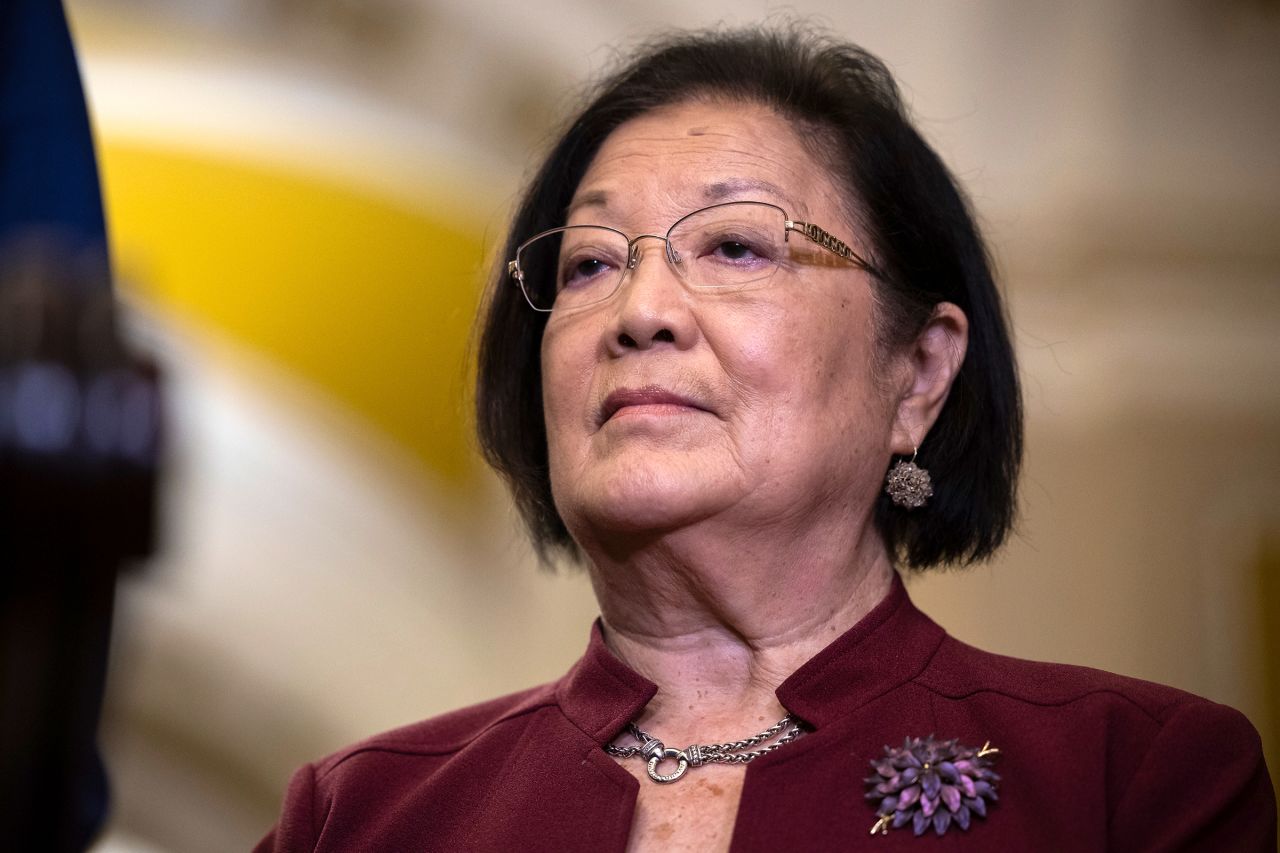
x=555 y=392
x=823 y=356
x=566 y=358
x=759 y=346
x=820 y=372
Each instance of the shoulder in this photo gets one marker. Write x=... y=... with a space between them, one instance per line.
x=959 y=670
x=1128 y=707
x=350 y=796
x=1146 y=746
x=443 y=735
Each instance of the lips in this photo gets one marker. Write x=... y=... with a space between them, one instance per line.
x=650 y=395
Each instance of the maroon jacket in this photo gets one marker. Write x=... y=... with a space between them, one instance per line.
x=1088 y=760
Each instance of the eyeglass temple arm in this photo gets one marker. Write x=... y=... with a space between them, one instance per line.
x=828 y=242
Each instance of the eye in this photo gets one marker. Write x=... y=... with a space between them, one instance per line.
x=738 y=250
x=581 y=270
x=734 y=250
x=728 y=244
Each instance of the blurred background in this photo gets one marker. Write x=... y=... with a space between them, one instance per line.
x=303 y=198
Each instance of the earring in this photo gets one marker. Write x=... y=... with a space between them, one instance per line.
x=908 y=485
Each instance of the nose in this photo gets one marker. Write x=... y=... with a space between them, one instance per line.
x=634 y=249
x=652 y=307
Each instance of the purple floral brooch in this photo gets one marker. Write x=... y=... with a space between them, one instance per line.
x=926 y=782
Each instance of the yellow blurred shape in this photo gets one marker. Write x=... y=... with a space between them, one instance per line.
x=362 y=296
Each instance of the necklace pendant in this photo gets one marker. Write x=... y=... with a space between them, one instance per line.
x=682 y=764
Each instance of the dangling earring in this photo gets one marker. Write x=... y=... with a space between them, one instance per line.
x=908 y=485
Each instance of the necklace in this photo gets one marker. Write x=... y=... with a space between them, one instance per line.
x=737 y=752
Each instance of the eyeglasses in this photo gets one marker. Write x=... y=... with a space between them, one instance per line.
x=724 y=246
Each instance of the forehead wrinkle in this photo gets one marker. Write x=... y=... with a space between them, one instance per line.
x=761 y=148
x=664 y=205
x=757 y=166
x=745 y=183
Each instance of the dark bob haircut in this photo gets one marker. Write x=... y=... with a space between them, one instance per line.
x=914 y=219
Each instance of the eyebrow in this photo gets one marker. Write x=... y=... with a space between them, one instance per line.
x=711 y=194
x=726 y=190
x=594 y=198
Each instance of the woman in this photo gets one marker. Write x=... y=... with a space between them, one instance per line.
x=746 y=316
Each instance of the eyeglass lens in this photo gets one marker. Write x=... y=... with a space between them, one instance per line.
x=723 y=246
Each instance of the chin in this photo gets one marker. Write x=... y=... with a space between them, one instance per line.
x=639 y=499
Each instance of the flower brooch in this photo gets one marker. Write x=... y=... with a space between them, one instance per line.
x=927 y=783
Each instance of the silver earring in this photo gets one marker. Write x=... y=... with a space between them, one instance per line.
x=908 y=485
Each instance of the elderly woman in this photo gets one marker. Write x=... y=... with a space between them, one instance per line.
x=745 y=362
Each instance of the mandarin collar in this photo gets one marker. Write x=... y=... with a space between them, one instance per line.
x=889 y=646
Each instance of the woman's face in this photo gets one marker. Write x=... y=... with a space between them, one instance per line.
x=665 y=405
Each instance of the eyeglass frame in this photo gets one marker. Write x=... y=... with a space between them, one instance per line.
x=815 y=234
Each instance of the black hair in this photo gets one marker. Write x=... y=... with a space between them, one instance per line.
x=923 y=240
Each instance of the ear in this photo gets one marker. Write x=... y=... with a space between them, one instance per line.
x=931 y=364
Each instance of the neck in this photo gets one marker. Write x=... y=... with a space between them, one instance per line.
x=719 y=627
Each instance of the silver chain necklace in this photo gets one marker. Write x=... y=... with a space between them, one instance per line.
x=699 y=754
